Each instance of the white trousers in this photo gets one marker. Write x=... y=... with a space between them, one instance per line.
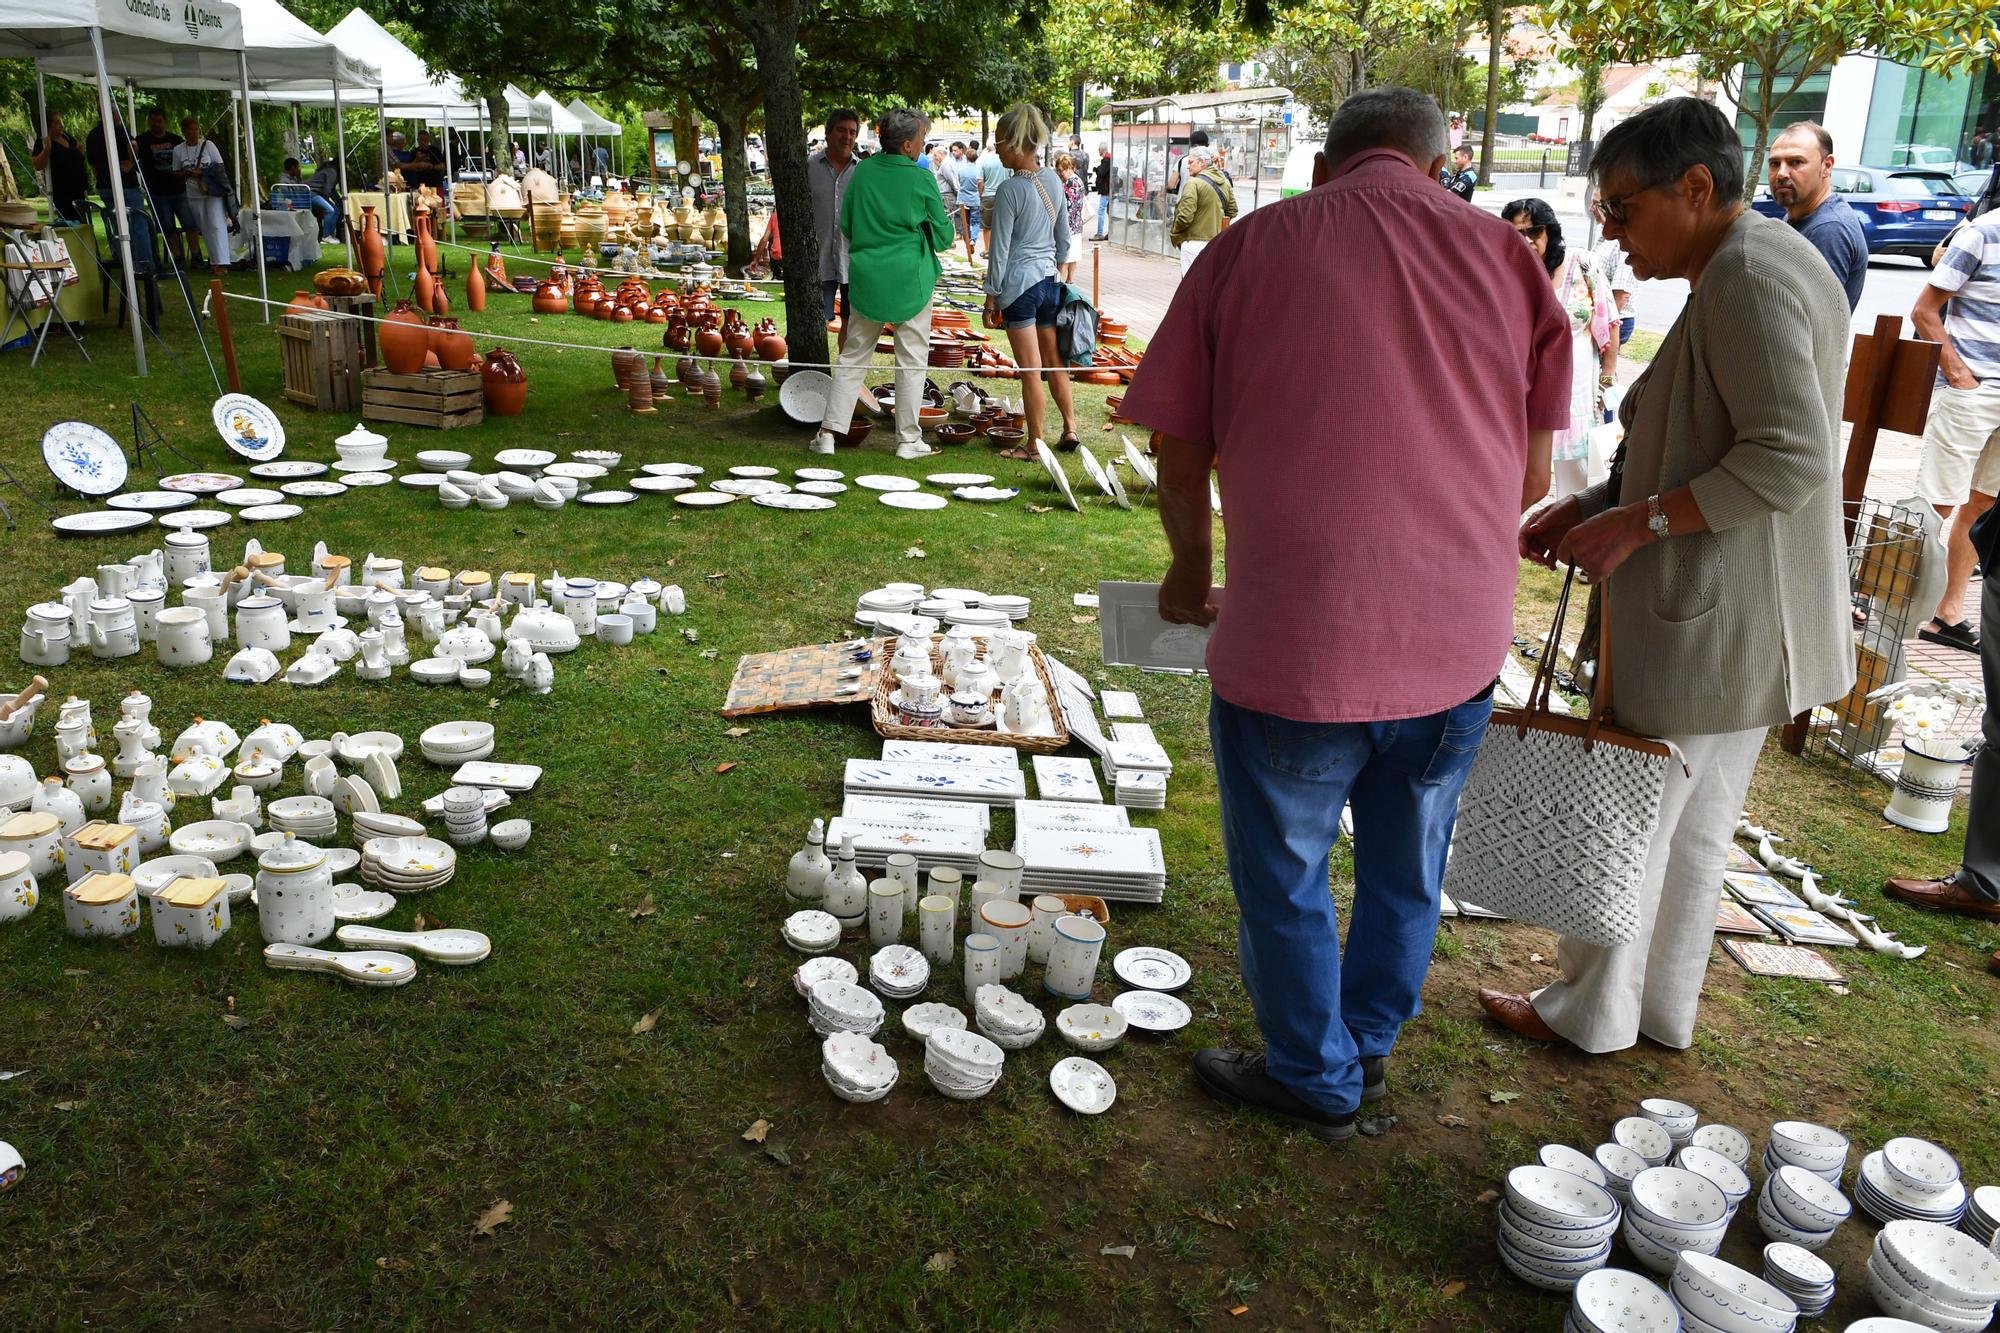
x=1961 y=445
x=1609 y=997
x=850 y=371
x=211 y=220
x=1191 y=251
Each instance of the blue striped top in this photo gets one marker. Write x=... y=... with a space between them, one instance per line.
x=1970 y=271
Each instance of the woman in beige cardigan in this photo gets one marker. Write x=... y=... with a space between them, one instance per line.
x=1721 y=540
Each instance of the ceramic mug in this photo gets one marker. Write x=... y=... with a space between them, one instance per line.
x=983 y=892
x=643 y=614
x=902 y=867
x=1003 y=868
x=1041 y=931
x=1007 y=921
x=212 y=602
x=982 y=964
x=947 y=882
x=614 y=629
x=936 y=928
x=885 y=913
x=1073 y=954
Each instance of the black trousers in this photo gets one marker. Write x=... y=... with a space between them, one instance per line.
x=1980 y=873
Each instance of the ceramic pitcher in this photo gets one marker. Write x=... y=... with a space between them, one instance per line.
x=148 y=571
x=183 y=638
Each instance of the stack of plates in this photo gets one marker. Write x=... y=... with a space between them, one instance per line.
x=374 y=824
x=309 y=817
x=899 y=972
x=1797 y=1208
x=823 y=968
x=1137 y=789
x=857 y=1069
x=449 y=744
x=813 y=931
x=1121 y=757
x=1910 y=1179
x=1554 y=1227
x=1801 y=1275
x=977 y=617
x=1813 y=1148
x=407 y=865
x=895 y=598
x=989 y=785
x=1714 y=1294
x=842 y=1006
x=1011 y=605
x=960 y=1064
x=1614 y=1300
x=1010 y=1021
x=1122 y=864
x=1932 y=1275
x=1982 y=1215
x=1076 y=816
x=1673 y=1212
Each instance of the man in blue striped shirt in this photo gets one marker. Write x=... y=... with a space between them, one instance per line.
x=1960 y=468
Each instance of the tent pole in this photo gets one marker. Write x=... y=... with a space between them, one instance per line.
x=451 y=214
x=117 y=196
x=256 y=187
x=131 y=109
x=42 y=121
x=298 y=140
x=340 y=146
x=382 y=142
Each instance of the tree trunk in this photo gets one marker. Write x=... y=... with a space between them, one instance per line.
x=730 y=125
x=499 y=135
x=773 y=30
x=1590 y=93
x=1493 y=21
x=1762 y=118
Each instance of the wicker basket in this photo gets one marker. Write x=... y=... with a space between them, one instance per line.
x=886 y=723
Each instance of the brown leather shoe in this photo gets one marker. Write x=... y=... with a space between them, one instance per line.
x=1942 y=895
x=1516 y=1014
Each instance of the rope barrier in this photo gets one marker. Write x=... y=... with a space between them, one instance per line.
x=653 y=273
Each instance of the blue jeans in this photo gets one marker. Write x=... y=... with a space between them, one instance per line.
x=971 y=208
x=1282 y=785
x=329 y=230
x=1103 y=217
x=829 y=290
x=1035 y=308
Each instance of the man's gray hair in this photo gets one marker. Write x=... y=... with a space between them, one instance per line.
x=1399 y=118
x=898 y=127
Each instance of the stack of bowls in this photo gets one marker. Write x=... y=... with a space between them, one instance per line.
x=1929 y=1274
x=369 y=825
x=899 y=972
x=1801 y=1275
x=1677 y=1118
x=812 y=931
x=310 y=818
x=464 y=815
x=449 y=744
x=857 y=1069
x=1555 y=1227
x=1619 y=1165
x=407 y=865
x=1884 y=1324
x=960 y=1064
x=1010 y=1021
x=1798 y=1207
x=842 y=1006
x=1616 y=1300
x=1673 y=1211
x=1728 y=1140
x=1813 y=1148
x=1728 y=1176
x=827 y=968
x=1910 y=1179
x=1982 y=1215
x=1644 y=1137
x=1562 y=1157
x=1718 y=1297
x=920 y=1020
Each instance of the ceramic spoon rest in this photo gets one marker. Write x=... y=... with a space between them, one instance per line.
x=453 y=948
x=369 y=968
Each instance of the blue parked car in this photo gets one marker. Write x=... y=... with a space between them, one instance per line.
x=1904 y=210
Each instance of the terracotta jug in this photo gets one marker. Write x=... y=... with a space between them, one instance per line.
x=451 y=345
x=371 y=249
x=440 y=300
x=427 y=250
x=403 y=340
x=549 y=299
x=708 y=342
x=475 y=290
x=677 y=337
x=770 y=345
x=305 y=301
x=621 y=314
x=426 y=288
x=505 y=383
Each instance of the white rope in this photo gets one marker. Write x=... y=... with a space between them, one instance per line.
x=665 y=275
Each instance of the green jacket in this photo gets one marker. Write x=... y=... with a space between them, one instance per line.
x=895 y=224
x=1206 y=201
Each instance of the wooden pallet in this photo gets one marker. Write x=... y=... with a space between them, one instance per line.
x=322 y=360
x=364 y=328
x=439 y=399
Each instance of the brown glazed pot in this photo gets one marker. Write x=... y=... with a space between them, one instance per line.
x=549 y=299
x=506 y=384
x=403 y=340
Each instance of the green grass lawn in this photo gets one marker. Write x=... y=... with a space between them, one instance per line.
x=212 y=1144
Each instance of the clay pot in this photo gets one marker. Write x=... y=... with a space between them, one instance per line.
x=440 y=302
x=426 y=288
x=677 y=336
x=549 y=299
x=753 y=384
x=427 y=250
x=741 y=342
x=403 y=340
x=688 y=371
x=451 y=345
x=708 y=342
x=711 y=388
x=770 y=345
x=370 y=245
x=505 y=383
x=339 y=282
x=630 y=370
x=306 y=301
x=662 y=386
x=621 y=314
x=739 y=374
x=656 y=315
x=475 y=290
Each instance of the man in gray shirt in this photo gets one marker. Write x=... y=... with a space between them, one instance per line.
x=830 y=169
x=1801 y=175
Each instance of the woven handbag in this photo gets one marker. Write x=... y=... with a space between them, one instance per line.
x=1559 y=813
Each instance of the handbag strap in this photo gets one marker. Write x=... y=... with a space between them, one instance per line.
x=1543 y=686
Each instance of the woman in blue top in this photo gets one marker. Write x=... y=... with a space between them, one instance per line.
x=1030 y=234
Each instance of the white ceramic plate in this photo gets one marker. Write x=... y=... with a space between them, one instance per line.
x=366 y=478
x=951 y=479
x=200 y=483
x=370 y=465
x=314 y=490
x=748 y=486
x=1150 y=969
x=703 y=499
x=752 y=470
x=196 y=520
x=818 y=473
x=84 y=458
x=670 y=469
x=662 y=485
x=507 y=777
x=248 y=427
x=876 y=481
x=608 y=498
x=912 y=500
x=575 y=471
x=803 y=396
x=986 y=494
x=443 y=460
x=821 y=488
x=1083 y=1085
x=428 y=481
x=1093 y=468
x=269 y=513
x=1117 y=488
x=1053 y=466
x=1142 y=466
x=288 y=470
x=100 y=522
x=250 y=495
x=528 y=458
x=788 y=501
x=1150 y=1011
x=151 y=502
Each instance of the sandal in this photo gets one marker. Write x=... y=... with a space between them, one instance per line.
x=1960 y=635
x=1018 y=455
x=1068 y=442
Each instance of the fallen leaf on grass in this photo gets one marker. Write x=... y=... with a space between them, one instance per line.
x=646 y=907
x=1488 y=1197
x=75 y=972
x=1453 y=1121
x=647 y=1021
x=1119 y=1251
x=737 y=731
x=420 y=923
x=1455 y=1287
x=392 y=1262
x=1207 y=1216
x=1081 y=620
x=709 y=654
x=236 y=1021
x=68 y=1106
x=758 y=1129
x=913 y=553
x=941 y=1262
x=1041 y=509
x=724 y=768
x=500 y=1212
x=776 y=1152
x=691 y=635
x=1534 y=958
x=1239 y=1310
x=1498 y=1097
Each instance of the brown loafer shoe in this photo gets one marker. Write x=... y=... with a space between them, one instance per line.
x=1942 y=895
x=1516 y=1014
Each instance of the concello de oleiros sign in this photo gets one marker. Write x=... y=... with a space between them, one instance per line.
x=198 y=19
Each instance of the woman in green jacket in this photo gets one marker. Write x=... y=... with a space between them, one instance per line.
x=895 y=226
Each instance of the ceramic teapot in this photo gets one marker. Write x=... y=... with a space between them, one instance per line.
x=294 y=893
x=113 y=628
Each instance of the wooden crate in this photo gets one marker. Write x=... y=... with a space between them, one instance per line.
x=440 y=399
x=322 y=360
x=364 y=328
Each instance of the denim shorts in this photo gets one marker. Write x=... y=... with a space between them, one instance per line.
x=1037 y=306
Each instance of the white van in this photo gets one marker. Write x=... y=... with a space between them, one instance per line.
x=1298 y=177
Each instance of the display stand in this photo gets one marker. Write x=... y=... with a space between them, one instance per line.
x=35 y=286
x=9 y=481
x=149 y=441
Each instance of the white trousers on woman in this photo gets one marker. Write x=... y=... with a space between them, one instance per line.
x=209 y=218
x=1608 y=997
x=850 y=370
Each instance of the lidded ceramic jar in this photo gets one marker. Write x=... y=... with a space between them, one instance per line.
x=190 y=913
x=37 y=835
x=294 y=893
x=100 y=848
x=101 y=906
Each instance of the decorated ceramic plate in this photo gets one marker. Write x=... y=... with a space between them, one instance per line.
x=1083 y=1085
x=248 y=427
x=314 y=490
x=250 y=495
x=909 y=500
x=1053 y=466
x=426 y=481
x=83 y=458
x=703 y=499
x=670 y=470
x=878 y=482
x=821 y=488
x=269 y=513
x=366 y=478
x=1152 y=969
x=1150 y=1011
x=200 y=483
x=100 y=522
x=818 y=473
x=1093 y=468
x=752 y=470
x=1142 y=466
x=524 y=458
x=749 y=486
x=986 y=494
x=662 y=485
x=790 y=501
x=290 y=469
x=948 y=480
x=575 y=471
x=196 y=520
x=1117 y=487
x=607 y=498
x=152 y=502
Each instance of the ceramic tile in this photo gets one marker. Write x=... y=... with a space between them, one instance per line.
x=1133 y=733
x=1063 y=779
x=914 y=810
x=936 y=781
x=1121 y=703
x=928 y=843
x=1069 y=815
x=947 y=752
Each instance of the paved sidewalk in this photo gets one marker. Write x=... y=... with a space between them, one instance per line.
x=1133 y=287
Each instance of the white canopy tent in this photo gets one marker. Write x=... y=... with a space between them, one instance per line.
x=205 y=37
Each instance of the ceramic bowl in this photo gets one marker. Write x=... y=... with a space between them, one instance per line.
x=1677 y=1118
x=920 y=1020
x=1644 y=1137
x=1814 y=1147
x=1729 y=1298
x=1706 y=1241
x=857 y=1069
x=1776 y=1228
x=1885 y=1324
x=510 y=835
x=1943 y=1264
x=475 y=678
x=463 y=476
x=844 y=1006
x=1522 y=1236
x=1895 y=1296
x=1569 y=1238
x=1656 y=1257
x=1728 y=1177
x=443 y=460
x=451 y=497
x=1612 y=1300
x=1671 y=1197
x=1552 y=1275
x=436 y=670
x=1562 y=1157
x=823 y=968
x=1805 y=1201
x=1620 y=1164
x=1558 y=1199
x=1920 y=1165
x=1091 y=1027
x=1728 y=1140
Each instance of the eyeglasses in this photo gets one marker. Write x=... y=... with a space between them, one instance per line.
x=1612 y=210
x=1531 y=232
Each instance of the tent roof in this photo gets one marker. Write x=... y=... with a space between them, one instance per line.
x=407 y=86
x=192 y=37
x=558 y=118
x=592 y=122
x=281 y=50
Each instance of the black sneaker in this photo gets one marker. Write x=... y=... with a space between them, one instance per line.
x=1374 y=1077
x=1960 y=636
x=1241 y=1080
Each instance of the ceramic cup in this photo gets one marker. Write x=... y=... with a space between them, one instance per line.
x=1041 y=931
x=645 y=617
x=885 y=913
x=982 y=963
x=983 y=892
x=947 y=882
x=614 y=629
x=936 y=927
x=1007 y=921
x=902 y=867
x=1073 y=954
x=1003 y=868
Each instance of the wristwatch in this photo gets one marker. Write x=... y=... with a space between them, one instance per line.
x=1656 y=519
